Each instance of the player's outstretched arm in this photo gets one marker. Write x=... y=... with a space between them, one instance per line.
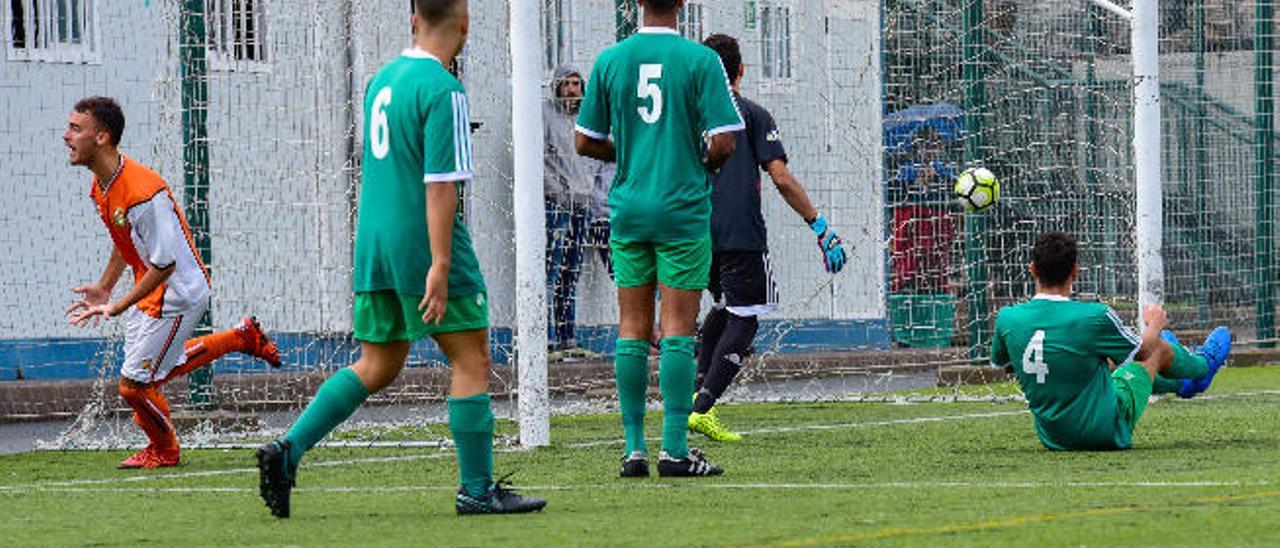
x=442 y=206
x=81 y=312
x=100 y=293
x=834 y=255
x=600 y=149
x=791 y=190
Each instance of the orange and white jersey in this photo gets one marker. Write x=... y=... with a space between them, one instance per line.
x=150 y=230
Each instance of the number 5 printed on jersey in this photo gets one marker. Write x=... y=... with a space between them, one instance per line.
x=645 y=89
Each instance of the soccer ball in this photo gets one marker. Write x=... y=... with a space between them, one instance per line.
x=977 y=188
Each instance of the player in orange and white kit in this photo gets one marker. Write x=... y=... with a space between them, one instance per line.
x=170 y=284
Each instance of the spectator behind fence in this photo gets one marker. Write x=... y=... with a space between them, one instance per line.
x=568 y=181
x=923 y=228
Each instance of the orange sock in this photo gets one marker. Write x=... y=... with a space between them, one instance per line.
x=202 y=351
x=151 y=412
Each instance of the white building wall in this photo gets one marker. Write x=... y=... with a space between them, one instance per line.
x=282 y=188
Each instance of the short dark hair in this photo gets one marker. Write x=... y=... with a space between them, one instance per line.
x=1055 y=257
x=434 y=11
x=661 y=6
x=730 y=54
x=107 y=112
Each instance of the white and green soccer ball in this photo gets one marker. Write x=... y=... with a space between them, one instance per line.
x=977 y=188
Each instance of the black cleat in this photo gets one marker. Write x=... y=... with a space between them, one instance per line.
x=275 y=476
x=693 y=465
x=497 y=500
x=635 y=465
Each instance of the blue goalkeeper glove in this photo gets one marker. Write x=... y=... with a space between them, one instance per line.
x=832 y=247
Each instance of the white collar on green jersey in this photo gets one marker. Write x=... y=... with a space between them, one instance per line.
x=419 y=53
x=1048 y=297
x=657 y=30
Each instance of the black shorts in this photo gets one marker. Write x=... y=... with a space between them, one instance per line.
x=742 y=282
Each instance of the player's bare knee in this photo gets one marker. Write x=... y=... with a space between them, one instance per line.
x=376 y=374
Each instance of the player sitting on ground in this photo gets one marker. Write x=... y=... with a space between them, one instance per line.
x=741 y=281
x=1065 y=347
x=417 y=151
x=659 y=95
x=170 y=284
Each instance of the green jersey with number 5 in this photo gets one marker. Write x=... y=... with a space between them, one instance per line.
x=658 y=95
x=417 y=133
x=1059 y=350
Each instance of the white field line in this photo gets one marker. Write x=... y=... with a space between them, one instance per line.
x=449 y=453
x=445 y=452
x=627 y=486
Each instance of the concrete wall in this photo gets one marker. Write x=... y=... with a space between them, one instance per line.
x=283 y=186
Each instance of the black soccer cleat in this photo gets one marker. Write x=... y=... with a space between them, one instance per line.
x=693 y=465
x=497 y=500
x=635 y=465
x=275 y=476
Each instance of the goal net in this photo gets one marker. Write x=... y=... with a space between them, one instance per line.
x=880 y=104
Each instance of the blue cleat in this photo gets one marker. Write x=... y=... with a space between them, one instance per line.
x=1215 y=349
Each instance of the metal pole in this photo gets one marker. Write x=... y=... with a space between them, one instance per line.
x=530 y=223
x=1149 y=219
x=1201 y=169
x=975 y=225
x=626 y=15
x=1264 y=275
x=1091 y=141
x=194 y=74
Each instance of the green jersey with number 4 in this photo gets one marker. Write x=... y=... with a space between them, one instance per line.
x=417 y=133
x=658 y=94
x=1059 y=350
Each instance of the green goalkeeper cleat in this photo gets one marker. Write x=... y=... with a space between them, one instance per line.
x=709 y=425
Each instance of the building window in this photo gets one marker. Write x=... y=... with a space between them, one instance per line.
x=689 y=21
x=236 y=30
x=775 y=42
x=557 y=27
x=52 y=30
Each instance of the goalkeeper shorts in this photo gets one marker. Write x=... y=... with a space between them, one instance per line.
x=742 y=282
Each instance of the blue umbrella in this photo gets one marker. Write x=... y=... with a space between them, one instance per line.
x=900 y=127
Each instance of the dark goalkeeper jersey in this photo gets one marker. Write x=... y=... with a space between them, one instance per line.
x=736 y=220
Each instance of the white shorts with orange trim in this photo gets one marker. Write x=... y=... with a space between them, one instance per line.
x=154 y=346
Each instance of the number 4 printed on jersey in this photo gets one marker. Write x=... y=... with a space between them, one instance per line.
x=1033 y=357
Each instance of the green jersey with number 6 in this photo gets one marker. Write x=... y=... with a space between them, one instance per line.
x=658 y=94
x=1059 y=350
x=417 y=133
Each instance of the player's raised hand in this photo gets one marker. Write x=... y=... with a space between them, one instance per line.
x=92 y=305
x=829 y=243
x=1153 y=315
x=436 y=298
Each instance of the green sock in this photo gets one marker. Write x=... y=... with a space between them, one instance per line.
x=676 y=371
x=336 y=400
x=471 y=421
x=1165 y=385
x=1186 y=365
x=631 y=371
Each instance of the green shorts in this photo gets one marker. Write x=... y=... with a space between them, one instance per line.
x=682 y=265
x=387 y=316
x=1133 y=387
